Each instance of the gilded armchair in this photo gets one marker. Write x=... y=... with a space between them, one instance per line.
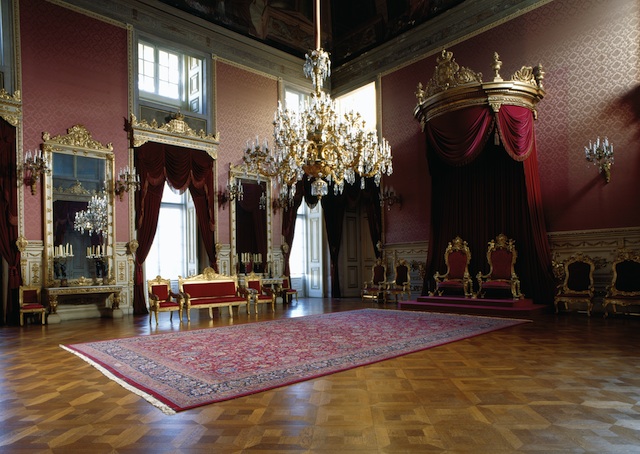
x=162 y=299
x=501 y=278
x=624 y=289
x=374 y=289
x=400 y=285
x=457 y=278
x=577 y=285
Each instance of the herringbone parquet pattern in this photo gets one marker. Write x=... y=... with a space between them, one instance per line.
x=564 y=383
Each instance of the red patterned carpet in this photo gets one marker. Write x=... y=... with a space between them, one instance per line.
x=188 y=369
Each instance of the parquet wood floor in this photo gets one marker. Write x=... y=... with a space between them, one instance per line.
x=563 y=384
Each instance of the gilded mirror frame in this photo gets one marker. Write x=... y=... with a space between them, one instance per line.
x=77 y=142
x=240 y=173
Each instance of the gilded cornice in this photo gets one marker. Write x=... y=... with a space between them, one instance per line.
x=78 y=139
x=177 y=132
x=11 y=107
x=454 y=87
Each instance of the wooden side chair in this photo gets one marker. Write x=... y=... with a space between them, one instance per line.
x=624 y=289
x=30 y=301
x=286 y=291
x=162 y=299
x=501 y=256
x=401 y=284
x=457 y=278
x=257 y=293
x=577 y=286
x=374 y=289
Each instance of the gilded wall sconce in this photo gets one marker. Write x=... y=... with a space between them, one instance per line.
x=600 y=153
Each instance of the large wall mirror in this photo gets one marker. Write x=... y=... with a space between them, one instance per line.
x=78 y=210
x=251 y=230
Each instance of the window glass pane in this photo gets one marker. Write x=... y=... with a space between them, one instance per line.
x=298 y=257
x=363 y=101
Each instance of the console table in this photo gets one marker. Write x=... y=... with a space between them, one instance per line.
x=53 y=293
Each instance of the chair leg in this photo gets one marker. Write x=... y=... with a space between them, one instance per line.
x=21 y=319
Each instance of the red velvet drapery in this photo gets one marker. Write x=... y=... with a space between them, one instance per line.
x=9 y=219
x=481 y=189
x=183 y=169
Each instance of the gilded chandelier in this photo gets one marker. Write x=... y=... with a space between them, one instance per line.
x=317 y=142
x=600 y=153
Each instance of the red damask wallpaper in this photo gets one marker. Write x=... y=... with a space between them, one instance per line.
x=589 y=49
x=74 y=71
x=246 y=102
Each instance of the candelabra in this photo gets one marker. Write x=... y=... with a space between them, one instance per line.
x=99 y=256
x=262 y=203
x=128 y=179
x=390 y=198
x=600 y=153
x=61 y=254
x=35 y=165
x=234 y=191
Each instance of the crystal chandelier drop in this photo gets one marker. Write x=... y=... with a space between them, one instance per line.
x=95 y=218
x=317 y=142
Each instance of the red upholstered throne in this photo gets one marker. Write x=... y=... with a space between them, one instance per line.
x=625 y=284
x=162 y=299
x=374 y=289
x=501 y=278
x=457 y=278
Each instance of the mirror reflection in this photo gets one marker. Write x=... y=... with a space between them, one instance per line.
x=79 y=201
x=251 y=225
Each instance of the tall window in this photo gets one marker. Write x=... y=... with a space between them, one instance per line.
x=170 y=77
x=363 y=101
x=6 y=46
x=167 y=257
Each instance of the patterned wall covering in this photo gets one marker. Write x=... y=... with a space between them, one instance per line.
x=245 y=104
x=74 y=71
x=589 y=49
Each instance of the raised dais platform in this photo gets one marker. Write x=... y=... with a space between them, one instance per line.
x=484 y=306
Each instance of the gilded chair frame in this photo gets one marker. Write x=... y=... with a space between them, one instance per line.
x=619 y=297
x=457 y=245
x=286 y=290
x=42 y=310
x=397 y=287
x=501 y=242
x=258 y=295
x=372 y=290
x=567 y=295
x=155 y=303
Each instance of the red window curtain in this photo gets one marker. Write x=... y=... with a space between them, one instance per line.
x=481 y=189
x=9 y=220
x=183 y=169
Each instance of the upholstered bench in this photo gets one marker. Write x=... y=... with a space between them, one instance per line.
x=209 y=290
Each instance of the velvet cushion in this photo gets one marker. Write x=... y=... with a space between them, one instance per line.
x=163 y=304
x=210 y=289
x=501 y=264
x=217 y=299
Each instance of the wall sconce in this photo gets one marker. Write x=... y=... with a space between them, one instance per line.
x=283 y=201
x=600 y=154
x=35 y=165
x=127 y=179
x=390 y=198
x=233 y=191
x=262 y=203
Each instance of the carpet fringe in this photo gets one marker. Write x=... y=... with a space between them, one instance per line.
x=148 y=397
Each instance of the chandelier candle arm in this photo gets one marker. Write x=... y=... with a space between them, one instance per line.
x=600 y=153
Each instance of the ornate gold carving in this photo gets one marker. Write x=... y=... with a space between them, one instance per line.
x=76 y=189
x=176 y=132
x=11 y=106
x=449 y=74
x=22 y=243
x=132 y=247
x=453 y=87
x=77 y=136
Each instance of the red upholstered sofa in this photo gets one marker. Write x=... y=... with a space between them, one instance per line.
x=209 y=290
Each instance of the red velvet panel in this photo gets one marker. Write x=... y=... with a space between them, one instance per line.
x=457 y=264
x=402 y=275
x=30 y=296
x=378 y=274
x=210 y=289
x=255 y=285
x=501 y=261
x=160 y=291
x=628 y=276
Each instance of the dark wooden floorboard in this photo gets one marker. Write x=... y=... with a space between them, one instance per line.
x=563 y=383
